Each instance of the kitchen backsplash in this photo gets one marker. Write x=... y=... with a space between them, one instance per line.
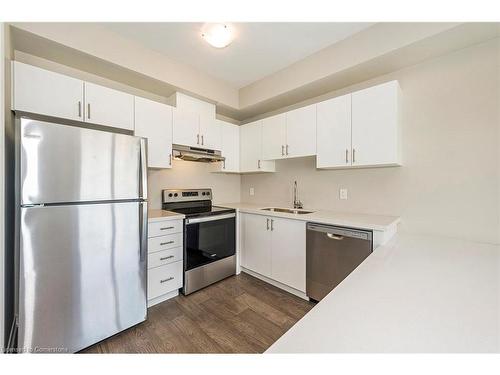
x=189 y=175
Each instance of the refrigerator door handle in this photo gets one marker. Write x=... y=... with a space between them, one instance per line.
x=143 y=230
x=143 y=172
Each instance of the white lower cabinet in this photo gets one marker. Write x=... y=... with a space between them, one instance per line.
x=165 y=259
x=163 y=280
x=275 y=248
x=256 y=249
x=288 y=254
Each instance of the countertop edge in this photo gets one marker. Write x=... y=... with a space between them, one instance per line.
x=315 y=217
x=155 y=215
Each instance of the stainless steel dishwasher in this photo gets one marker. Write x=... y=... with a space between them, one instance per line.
x=332 y=253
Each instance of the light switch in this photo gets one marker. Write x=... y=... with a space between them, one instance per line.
x=343 y=193
x=252 y=191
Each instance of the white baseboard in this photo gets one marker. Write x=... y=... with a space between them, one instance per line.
x=163 y=298
x=275 y=283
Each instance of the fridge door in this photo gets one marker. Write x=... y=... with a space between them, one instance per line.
x=61 y=163
x=82 y=274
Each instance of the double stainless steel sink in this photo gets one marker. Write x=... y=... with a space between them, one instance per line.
x=287 y=210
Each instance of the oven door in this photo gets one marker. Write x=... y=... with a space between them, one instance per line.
x=208 y=239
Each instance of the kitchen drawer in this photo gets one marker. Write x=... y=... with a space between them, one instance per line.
x=161 y=228
x=161 y=258
x=164 y=279
x=165 y=242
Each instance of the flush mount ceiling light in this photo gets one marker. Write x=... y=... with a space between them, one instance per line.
x=218 y=35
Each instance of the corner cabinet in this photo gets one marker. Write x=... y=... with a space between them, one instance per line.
x=360 y=129
x=375 y=130
x=41 y=91
x=230 y=148
x=275 y=248
x=153 y=121
x=251 y=159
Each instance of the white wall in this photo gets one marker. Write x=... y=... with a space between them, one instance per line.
x=449 y=184
x=192 y=175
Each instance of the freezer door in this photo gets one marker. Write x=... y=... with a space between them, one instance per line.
x=82 y=274
x=61 y=163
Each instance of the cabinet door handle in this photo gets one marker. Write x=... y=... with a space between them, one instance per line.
x=197 y=139
x=287 y=150
x=165 y=228
x=258 y=164
x=267 y=224
x=346 y=156
x=282 y=150
x=353 y=155
x=166 y=243
x=165 y=280
x=79 y=109
x=165 y=258
x=88 y=111
x=202 y=141
x=170 y=159
x=224 y=164
x=272 y=224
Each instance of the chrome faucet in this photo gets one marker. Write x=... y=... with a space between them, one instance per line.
x=296 y=202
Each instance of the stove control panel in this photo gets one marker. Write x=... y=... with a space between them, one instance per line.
x=185 y=195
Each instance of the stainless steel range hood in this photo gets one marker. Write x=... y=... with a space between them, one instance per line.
x=202 y=155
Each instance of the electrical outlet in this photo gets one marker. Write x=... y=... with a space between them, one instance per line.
x=343 y=193
x=252 y=191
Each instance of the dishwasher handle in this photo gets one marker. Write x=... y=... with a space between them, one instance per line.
x=339 y=233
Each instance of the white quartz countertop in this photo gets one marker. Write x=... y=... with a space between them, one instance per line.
x=162 y=215
x=414 y=294
x=361 y=221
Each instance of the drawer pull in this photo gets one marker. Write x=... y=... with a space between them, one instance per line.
x=166 y=243
x=165 y=258
x=165 y=280
x=166 y=228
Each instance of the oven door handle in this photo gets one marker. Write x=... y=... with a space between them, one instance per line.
x=209 y=218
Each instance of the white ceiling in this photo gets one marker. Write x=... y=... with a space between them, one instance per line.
x=258 y=50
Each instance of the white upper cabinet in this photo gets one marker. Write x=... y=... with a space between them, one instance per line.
x=251 y=159
x=334 y=132
x=360 y=129
x=186 y=128
x=210 y=133
x=375 y=130
x=274 y=137
x=105 y=106
x=153 y=121
x=230 y=148
x=194 y=123
x=301 y=132
x=44 y=92
x=47 y=93
x=290 y=134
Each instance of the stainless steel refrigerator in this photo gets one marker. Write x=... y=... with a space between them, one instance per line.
x=82 y=231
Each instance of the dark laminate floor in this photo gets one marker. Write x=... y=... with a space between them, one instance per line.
x=240 y=314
